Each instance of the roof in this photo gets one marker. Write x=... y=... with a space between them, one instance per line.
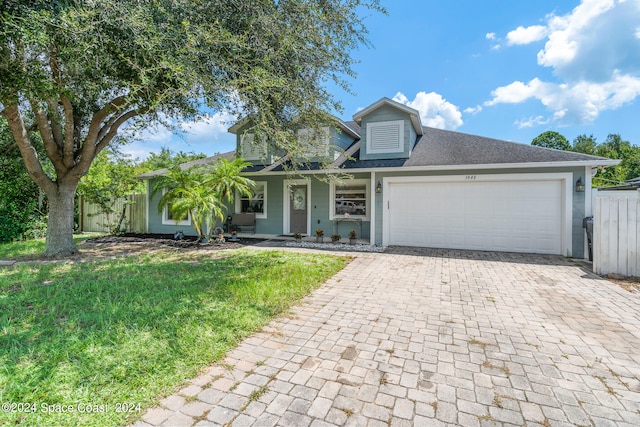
x=439 y=147
x=435 y=148
x=230 y=155
x=413 y=114
x=350 y=128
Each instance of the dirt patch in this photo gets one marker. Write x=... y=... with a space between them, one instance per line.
x=107 y=247
x=631 y=284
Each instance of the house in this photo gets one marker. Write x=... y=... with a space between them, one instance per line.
x=414 y=185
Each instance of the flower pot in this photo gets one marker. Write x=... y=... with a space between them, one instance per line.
x=234 y=237
x=352 y=241
x=298 y=240
x=319 y=239
x=204 y=239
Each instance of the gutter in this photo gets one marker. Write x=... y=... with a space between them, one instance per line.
x=577 y=163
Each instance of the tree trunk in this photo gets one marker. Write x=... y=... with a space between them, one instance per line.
x=59 y=242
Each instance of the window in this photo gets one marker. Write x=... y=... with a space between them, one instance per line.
x=256 y=203
x=385 y=137
x=168 y=219
x=251 y=150
x=350 y=199
x=312 y=147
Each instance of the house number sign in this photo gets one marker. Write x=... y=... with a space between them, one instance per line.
x=470 y=177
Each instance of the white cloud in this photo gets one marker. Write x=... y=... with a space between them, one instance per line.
x=522 y=35
x=594 y=52
x=208 y=135
x=208 y=129
x=435 y=111
x=582 y=101
x=532 y=121
x=473 y=110
x=490 y=36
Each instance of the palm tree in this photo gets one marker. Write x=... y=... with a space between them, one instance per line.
x=225 y=178
x=199 y=192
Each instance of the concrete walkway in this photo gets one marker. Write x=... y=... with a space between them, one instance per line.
x=432 y=338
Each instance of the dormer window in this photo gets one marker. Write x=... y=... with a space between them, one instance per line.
x=250 y=150
x=385 y=137
x=312 y=146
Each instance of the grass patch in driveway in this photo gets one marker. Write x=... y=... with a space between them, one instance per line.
x=132 y=330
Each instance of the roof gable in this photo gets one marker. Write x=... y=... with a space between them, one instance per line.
x=413 y=114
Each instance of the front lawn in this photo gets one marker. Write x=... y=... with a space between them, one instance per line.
x=32 y=249
x=132 y=330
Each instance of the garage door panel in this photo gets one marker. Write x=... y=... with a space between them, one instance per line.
x=520 y=216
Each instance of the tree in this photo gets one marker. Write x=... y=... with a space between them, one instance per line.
x=585 y=144
x=199 y=192
x=167 y=158
x=86 y=71
x=22 y=207
x=111 y=177
x=551 y=139
x=614 y=147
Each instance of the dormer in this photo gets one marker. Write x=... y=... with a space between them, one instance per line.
x=389 y=130
x=247 y=147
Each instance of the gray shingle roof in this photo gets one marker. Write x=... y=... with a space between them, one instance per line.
x=439 y=147
x=206 y=161
x=436 y=147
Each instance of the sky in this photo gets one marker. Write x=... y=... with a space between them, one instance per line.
x=502 y=69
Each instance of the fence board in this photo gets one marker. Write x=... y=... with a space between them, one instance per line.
x=616 y=233
x=135 y=213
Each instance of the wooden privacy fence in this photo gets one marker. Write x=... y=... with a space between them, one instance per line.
x=135 y=215
x=616 y=232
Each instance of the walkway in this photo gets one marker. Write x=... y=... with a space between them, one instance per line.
x=432 y=338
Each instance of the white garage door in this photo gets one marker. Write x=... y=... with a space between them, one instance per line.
x=511 y=216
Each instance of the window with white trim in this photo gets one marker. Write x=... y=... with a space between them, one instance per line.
x=250 y=150
x=168 y=218
x=310 y=146
x=350 y=199
x=257 y=202
x=385 y=137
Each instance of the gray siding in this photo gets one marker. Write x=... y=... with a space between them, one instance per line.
x=383 y=114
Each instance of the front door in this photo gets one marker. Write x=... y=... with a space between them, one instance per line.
x=298 y=209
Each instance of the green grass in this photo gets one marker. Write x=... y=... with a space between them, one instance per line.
x=30 y=249
x=132 y=330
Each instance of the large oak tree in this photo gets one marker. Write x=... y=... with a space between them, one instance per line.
x=75 y=73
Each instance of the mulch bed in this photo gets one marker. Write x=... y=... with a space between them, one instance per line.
x=167 y=240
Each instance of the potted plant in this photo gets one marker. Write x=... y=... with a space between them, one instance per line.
x=352 y=237
x=319 y=235
x=335 y=238
x=297 y=237
x=234 y=235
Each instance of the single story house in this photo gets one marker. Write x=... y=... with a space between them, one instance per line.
x=414 y=185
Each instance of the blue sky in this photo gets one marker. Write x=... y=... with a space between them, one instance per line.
x=503 y=69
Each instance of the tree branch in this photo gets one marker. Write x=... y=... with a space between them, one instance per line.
x=54 y=119
x=50 y=145
x=68 y=152
x=27 y=150
x=92 y=148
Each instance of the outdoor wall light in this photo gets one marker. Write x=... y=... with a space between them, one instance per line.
x=379 y=188
x=579 y=186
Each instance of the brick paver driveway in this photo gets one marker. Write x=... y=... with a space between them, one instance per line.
x=432 y=337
